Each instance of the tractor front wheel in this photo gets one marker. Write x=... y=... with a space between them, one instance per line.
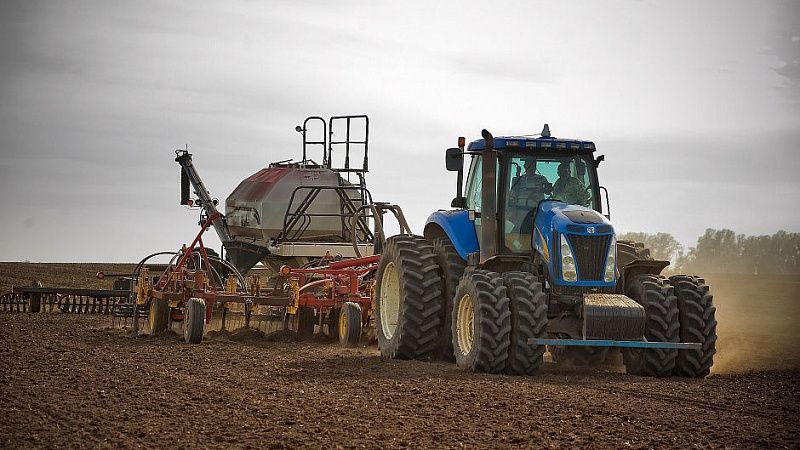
x=662 y=325
x=528 y=306
x=481 y=325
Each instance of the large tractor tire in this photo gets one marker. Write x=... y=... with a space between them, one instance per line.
x=698 y=324
x=407 y=299
x=451 y=268
x=159 y=316
x=481 y=322
x=579 y=356
x=661 y=308
x=528 y=306
x=195 y=323
x=349 y=324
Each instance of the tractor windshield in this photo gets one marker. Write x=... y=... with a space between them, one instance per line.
x=530 y=179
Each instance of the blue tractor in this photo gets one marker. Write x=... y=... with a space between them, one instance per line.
x=526 y=262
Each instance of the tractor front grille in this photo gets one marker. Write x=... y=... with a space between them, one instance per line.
x=590 y=255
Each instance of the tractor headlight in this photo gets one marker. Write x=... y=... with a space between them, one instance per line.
x=611 y=262
x=568 y=271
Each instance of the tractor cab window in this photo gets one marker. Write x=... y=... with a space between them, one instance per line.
x=473 y=191
x=531 y=179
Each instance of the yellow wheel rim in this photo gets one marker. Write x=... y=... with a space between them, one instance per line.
x=389 y=300
x=465 y=324
x=152 y=315
x=342 y=323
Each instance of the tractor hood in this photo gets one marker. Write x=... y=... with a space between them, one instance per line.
x=555 y=218
x=565 y=218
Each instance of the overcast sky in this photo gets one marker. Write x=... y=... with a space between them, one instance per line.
x=696 y=106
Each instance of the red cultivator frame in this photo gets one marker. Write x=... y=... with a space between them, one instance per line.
x=336 y=294
x=341 y=291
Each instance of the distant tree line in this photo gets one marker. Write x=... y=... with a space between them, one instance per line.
x=724 y=251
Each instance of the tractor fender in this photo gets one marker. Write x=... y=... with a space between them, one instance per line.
x=457 y=227
x=639 y=267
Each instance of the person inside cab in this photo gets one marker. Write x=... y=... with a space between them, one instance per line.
x=569 y=189
x=525 y=193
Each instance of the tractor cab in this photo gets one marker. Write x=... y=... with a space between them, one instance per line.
x=546 y=208
x=530 y=171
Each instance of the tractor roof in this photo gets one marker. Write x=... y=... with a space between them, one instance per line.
x=556 y=145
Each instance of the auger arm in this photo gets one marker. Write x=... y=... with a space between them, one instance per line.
x=189 y=176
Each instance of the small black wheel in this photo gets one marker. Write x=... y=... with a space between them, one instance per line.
x=481 y=322
x=159 y=316
x=349 y=324
x=306 y=321
x=195 y=323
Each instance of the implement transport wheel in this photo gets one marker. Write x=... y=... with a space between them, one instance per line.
x=195 y=322
x=579 y=356
x=407 y=298
x=481 y=322
x=349 y=326
x=661 y=307
x=451 y=267
x=698 y=324
x=332 y=327
x=528 y=306
x=159 y=316
x=306 y=320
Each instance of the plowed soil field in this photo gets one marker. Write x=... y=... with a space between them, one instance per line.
x=73 y=381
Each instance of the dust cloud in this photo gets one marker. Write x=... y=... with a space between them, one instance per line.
x=757 y=322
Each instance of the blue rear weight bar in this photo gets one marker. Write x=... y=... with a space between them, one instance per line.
x=612 y=343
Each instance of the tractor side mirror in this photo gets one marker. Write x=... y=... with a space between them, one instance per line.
x=599 y=159
x=459 y=202
x=454 y=159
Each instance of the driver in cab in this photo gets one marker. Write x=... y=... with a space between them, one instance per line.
x=569 y=189
x=526 y=191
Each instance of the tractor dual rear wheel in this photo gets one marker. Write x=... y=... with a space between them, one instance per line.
x=407 y=298
x=349 y=324
x=662 y=325
x=451 y=268
x=481 y=325
x=698 y=324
